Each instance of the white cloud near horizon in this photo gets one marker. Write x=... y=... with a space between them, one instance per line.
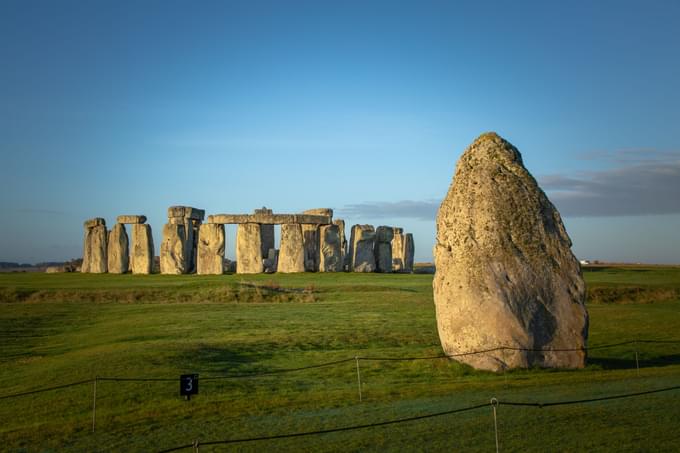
x=644 y=184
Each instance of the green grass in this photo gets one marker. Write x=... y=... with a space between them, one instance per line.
x=59 y=328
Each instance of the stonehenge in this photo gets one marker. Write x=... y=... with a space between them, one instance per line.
x=311 y=241
x=110 y=251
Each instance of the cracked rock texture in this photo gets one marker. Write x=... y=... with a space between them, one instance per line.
x=505 y=274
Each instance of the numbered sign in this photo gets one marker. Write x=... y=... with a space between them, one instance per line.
x=188 y=385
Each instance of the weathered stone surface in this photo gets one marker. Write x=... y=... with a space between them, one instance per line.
x=310 y=237
x=361 y=245
x=95 y=250
x=173 y=249
x=91 y=223
x=266 y=238
x=271 y=261
x=118 y=250
x=269 y=219
x=192 y=226
x=186 y=212
x=131 y=219
x=383 y=249
x=292 y=252
x=55 y=269
x=330 y=254
x=398 y=250
x=142 y=250
x=343 y=243
x=248 y=249
x=505 y=273
x=409 y=252
x=326 y=212
x=210 y=249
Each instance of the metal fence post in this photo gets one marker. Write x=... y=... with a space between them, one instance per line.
x=494 y=405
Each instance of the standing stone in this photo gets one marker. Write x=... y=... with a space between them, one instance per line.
x=310 y=233
x=330 y=254
x=383 y=249
x=248 y=249
x=191 y=219
x=343 y=243
x=505 y=274
x=118 y=250
x=142 y=256
x=95 y=247
x=362 y=257
x=210 y=249
x=292 y=251
x=266 y=233
x=173 y=249
x=409 y=252
x=398 y=250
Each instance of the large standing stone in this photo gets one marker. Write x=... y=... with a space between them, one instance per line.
x=343 y=243
x=362 y=257
x=95 y=247
x=118 y=250
x=383 y=248
x=505 y=274
x=292 y=251
x=191 y=218
x=248 y=249
x=330 y=254
x=142 y=256
x=266 y=232
x=409 y=252
x=398 y=250
x=174 y=249
x=210 y=249
x=310 y=233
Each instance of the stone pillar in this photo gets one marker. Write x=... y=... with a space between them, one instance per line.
x=398 y=250
x=118 y=250
x=383 y=249
x=310 y=234
x=95 y=247
x=362 y=256
x=190 y=218
x=142 y=255
x=409 y=251
x=210 y=249
x=173 y=249
x=330 y=254
x=266 y=233
x=248 y=249
x=343 y=243
x=292 y=250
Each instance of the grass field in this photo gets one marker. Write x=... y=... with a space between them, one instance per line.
x=61 y=328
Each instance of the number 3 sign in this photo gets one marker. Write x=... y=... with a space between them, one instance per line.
x=188 y=385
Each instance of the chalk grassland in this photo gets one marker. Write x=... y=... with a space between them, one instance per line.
x=62 y=328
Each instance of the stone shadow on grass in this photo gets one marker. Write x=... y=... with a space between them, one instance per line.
x=219 y=360
x=628 y=362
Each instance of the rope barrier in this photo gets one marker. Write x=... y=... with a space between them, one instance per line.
x=337 y=362
x=494 y=403
x=331 y=430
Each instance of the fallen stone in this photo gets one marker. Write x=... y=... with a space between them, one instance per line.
x=95 y=249
x=505 y=274
x=142 y=250
x=330 y=254
x=361 y=245
x=131 y=219
x=248 y=249
x=173 y=249
x=383 y=249
x=292 y=251
x=210 y=259
x=118 y=250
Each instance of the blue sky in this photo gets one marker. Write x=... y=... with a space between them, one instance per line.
x=111 y=108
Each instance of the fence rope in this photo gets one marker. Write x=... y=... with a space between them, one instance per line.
x=494 y=403
x=335 y=362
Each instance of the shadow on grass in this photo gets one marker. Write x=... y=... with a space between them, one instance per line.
x=225 y=361
x=614 y=363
